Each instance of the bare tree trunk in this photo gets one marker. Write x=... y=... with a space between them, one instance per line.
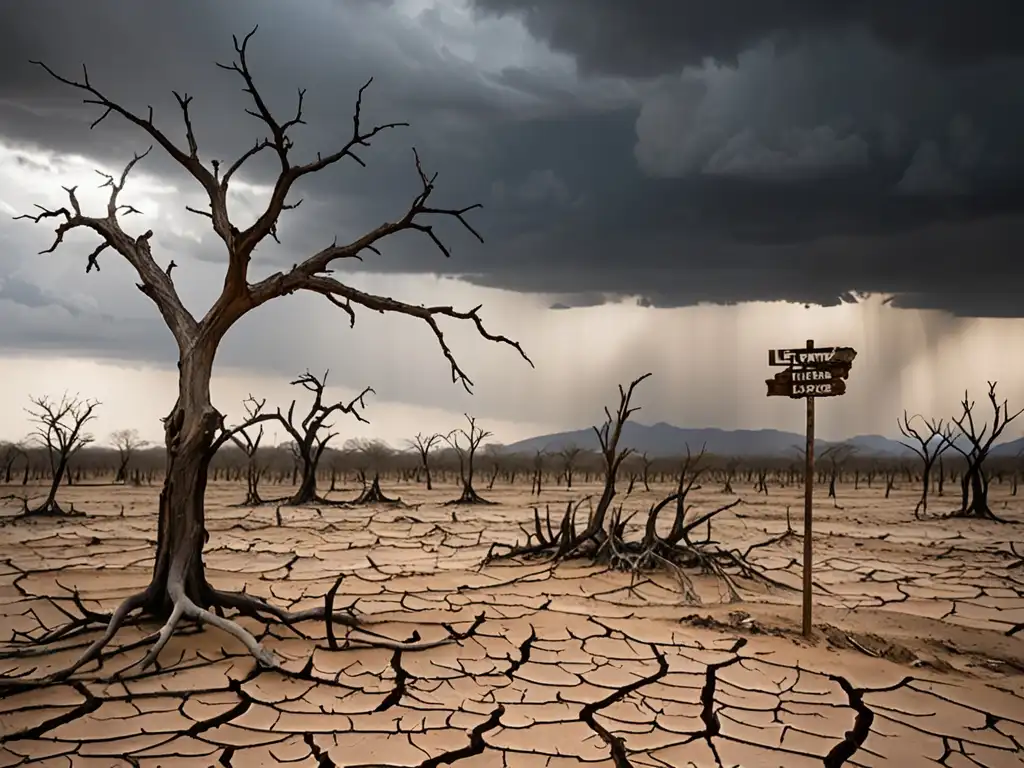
x=979 y=494
x=252 y=482
x=974 y=500
x=926 y=481
x=189 y=433
x=58 y=475
x=306 y=494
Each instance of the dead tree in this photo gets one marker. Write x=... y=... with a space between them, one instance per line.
x=249 y=444
x=423 y=445
x=836 y=456
x=371 y=457
x=126 y=441
x=465 y=445
x=311 y=435
x=730 y=475
x=931 y=440
x=980 y=439
x=569 y=455
x=568 y=541
x=761 y=486
x=603 y=538
x=890 y=480
x=179 y=588
x=494 y=460
x=691 y=469
x=58 y=432
x=537 y=481
x=645 y=470
x=9 y=455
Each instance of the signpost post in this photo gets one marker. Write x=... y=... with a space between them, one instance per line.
x=809 y=373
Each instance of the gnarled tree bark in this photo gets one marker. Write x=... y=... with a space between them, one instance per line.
x=189 y=433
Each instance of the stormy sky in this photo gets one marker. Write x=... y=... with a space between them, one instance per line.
x=667 y=186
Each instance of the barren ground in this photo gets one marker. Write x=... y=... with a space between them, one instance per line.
x=917 y=660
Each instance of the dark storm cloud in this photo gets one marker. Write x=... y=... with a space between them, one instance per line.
x=834 y=148
x=328 y=48
x=645 y=38
x=861 y=141
x=132 y=64
x=31 y=296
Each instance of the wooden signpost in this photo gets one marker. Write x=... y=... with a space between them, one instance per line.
x=809 y=373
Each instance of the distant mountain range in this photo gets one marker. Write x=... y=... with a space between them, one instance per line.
x=663 y=439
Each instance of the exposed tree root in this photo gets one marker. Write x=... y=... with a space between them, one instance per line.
x=676 y=553
x=185 y=608
x=49 y=508
x=973 y=512
x=54 y=509
x=469 y=496
x=372 y=494
x=252 y=499
x=603 y=540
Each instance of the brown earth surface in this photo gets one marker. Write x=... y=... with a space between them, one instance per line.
x=917 y=659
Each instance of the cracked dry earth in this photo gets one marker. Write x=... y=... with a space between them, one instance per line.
x=916 y=660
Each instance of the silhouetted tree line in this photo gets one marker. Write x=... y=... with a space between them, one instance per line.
x=21 y=464
x=953 y=454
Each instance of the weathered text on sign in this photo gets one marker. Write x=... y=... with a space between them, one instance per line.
x=813 y=389
x=817 y=384
x=816 y=356
x=811 y=374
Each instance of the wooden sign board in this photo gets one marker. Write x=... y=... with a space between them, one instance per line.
x=815 y=356
x=821 y=384
x=809 y=373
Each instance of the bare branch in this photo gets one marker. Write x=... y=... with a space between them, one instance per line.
x=344 y=296
x=156 y=284
x=975 y=482
x=189 y=161
x=258 y=147
x=238 y=296
x=116 y=187
x=413 y=219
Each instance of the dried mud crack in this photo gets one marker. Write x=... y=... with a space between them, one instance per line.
x=708 y=716
x=577 y=664
x=616 y=744
x=857 y=735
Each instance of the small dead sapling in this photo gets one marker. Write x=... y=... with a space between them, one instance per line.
x=980 y=439
x=126 y=442
x=423 y=445
x=931 y=439
x=58 y=430
x=465 y=445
